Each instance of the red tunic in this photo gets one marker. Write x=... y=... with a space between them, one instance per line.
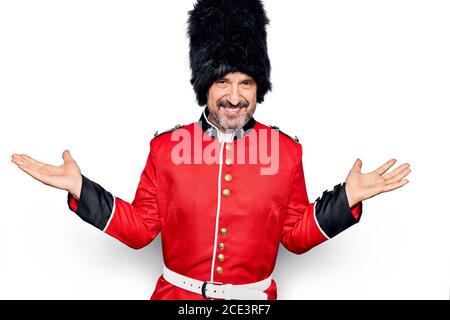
x=217 y=199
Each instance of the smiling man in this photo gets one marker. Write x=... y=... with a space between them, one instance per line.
x=232 y=101
x=221 y=216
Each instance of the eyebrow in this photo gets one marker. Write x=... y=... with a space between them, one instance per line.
x=226 y=79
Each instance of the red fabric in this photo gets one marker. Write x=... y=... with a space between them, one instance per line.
x=180 y=201
x=356 y=210
x=73 y=203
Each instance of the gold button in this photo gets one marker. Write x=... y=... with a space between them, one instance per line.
x=221 y=257
x=223 y=231
x=228 y=147
x=228 y=177
x=219 y=269
x=221 y=246
x=228 y=162
x=226 y=192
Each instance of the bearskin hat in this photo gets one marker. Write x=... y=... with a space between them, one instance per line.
x=228 y=36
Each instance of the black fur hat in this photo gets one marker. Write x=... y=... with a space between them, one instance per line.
x=228 y=36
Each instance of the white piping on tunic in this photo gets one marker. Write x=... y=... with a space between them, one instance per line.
x=222 y=137
x=112 y=214
x=216 y=229
x=318 y=225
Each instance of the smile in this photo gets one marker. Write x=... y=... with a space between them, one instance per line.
x=232 y=111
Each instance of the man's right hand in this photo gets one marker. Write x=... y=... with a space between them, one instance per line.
x=66 y=176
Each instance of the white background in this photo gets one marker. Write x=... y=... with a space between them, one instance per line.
x=366 y=79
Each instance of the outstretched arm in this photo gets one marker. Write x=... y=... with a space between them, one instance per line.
x=360 y=186
x=135 y=224
x=65 y=177
x=309 y=224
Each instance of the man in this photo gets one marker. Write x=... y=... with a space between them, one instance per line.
x=224 y=191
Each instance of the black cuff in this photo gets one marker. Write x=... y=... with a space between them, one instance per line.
x=95 y=205
x=333 y=212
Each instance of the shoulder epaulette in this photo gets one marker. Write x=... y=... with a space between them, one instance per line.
x=293 y=138
x=157 y=134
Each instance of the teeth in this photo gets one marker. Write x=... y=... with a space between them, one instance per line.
x=232 y=110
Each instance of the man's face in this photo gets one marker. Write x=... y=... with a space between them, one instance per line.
x=232 y=100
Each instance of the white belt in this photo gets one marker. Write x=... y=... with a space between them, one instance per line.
x=218 y=290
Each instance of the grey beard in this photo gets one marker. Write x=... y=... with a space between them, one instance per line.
x=223 y=123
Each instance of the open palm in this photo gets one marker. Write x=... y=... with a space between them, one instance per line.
x=66 y=176
x=361 y=186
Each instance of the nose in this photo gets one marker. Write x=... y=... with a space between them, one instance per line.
x=234 y=97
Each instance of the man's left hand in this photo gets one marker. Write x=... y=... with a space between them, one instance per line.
x=361 y=186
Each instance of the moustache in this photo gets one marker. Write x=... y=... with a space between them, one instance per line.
x=227 y=104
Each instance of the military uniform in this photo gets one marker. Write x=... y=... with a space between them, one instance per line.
x=221 y=219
